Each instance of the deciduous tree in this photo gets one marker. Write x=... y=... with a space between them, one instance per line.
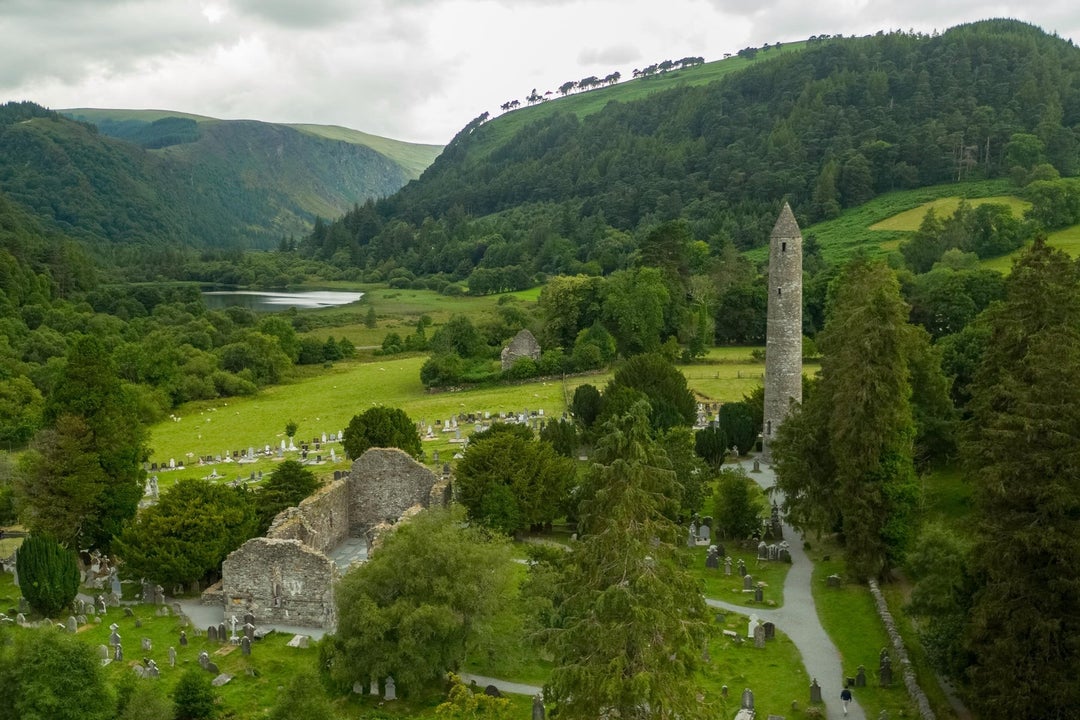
x=381 y=426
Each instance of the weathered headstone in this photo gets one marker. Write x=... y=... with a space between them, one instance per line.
x=249 y=619
x=727 y=566
x=742 y=568
x=72 y=625
x=118 y=653
x=212 y=668
x=747 y=699
x=183 y=638
x=389 y=689
x=249 y=631
x=750 y=626
x=298 y=641
x=103 y=653
x=770 y=630
x=221 y=679
x=172 y=657
x=762 y=551
x=146 y=644
x=833 y=581
x=492 y=691
x=885 y=670
x=211 y=633
x=152 y=670
x=712 y=559
x=759 y=594
x=860 y=677
x=815 y=692
x=538 y=707
x=245 y=645
x=759 y=636
x=20 y=619
x=748 y=582
x=204 y=659
x=221 y=637
x=373 y=686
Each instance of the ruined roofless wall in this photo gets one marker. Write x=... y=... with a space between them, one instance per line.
x=321 y=521
x=783 y=342
x=280 y=581
x=383 y=484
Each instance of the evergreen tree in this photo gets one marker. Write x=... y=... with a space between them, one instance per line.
x=1023 y=457
x=48 y=574
x=194 y=696
x=862 y=418
x=631 y=619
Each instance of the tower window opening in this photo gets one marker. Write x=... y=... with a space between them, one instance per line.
x=779 y=292
x=783 y=247
x=768 y=428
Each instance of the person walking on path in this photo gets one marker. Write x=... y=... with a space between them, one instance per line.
x=845 y=697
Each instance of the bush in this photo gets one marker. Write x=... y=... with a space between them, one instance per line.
x=381 y=427
x=48 y=574
x=737 y=505
x=194 y=696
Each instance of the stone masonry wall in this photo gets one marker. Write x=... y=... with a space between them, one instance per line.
x=280 y=581
x=320 y=522
x=383 y=484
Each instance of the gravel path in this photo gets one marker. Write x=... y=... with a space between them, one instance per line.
x=798 y=618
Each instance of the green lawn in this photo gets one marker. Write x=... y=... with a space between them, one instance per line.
x=1067 y=240
x=910 y=220
x=849 y=617
x=729 y=588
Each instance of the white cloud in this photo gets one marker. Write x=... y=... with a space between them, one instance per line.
x=410 y=69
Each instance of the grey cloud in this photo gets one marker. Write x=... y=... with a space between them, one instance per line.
x=612 y=55
x=305 y=14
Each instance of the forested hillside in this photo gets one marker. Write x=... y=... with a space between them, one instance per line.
x=177 y=181
x=827 y=128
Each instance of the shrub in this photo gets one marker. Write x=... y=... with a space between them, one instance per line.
x=194 y=696
x=48 y=574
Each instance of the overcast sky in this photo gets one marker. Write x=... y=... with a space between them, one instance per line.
x=414 y=70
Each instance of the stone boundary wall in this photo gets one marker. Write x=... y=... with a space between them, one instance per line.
x=321 y=521
x=912 y=684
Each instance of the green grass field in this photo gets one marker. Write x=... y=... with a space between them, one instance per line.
x=910 y=220
x=1067 y=240
x=729 y=588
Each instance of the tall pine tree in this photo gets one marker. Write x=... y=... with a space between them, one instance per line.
x=632 y=627
x=859 y=416
x=1023 y=457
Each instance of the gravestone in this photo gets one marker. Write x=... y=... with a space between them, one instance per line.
x=757 y=466
x=221 y=632
x=211 y=633
x=704 y=533
x=724 y=691
x=183 y=638
x=80 y=619
x=221 y=679
x=249 y=631
x=152 y=670
x=389 y=690
x=815 y=692
x=833 y=581
x=759 y=636
x=245 y=645
x=770 y=630
x=249 y=619
x=538 y=707
x=172 y=657
x=72 y=625
x=759 y=594
x=146 y=644
x=762 y=551
x=128 y=612
x=114 y=637
x=742 y=568
x=204 y=659
x=712 y=559
x=374 y=686
x=298 y=641
x=20 y=619
x=212 y=668
x=747 y=700
x=748 y=582
x=138 y=622
x=492 y=691
x=860 y=677
x=750 y=625
x=118 y=653
x=103 y=654
x=691 y=537
x=885 y=670
x=727 y=566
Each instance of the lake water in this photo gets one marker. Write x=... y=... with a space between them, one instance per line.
x=273 y=301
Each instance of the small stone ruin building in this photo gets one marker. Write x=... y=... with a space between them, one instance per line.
x=287 y=577
x=523 y=345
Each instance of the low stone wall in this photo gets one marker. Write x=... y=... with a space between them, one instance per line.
x=321 y=521
x=384 y=483
x=912 y=684
x=280 y=581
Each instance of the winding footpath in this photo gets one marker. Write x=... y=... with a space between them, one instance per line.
x=799 y=620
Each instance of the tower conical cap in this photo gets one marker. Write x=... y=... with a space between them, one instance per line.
x=786 y=226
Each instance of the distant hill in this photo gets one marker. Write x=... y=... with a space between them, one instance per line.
x=827 y=124
x=159 y=177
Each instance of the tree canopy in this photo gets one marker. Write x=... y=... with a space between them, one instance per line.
x=381 y=426
x=418 y=605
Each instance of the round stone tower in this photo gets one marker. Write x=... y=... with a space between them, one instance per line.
x=783 y=338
